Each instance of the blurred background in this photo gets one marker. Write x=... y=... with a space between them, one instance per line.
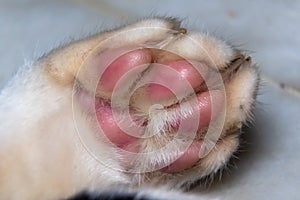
x=269 y=161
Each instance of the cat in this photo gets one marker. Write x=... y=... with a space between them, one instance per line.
x=139 y=112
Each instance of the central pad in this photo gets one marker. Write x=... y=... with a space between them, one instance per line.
x=153 y=97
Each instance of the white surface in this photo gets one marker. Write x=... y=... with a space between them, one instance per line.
x=269 y=166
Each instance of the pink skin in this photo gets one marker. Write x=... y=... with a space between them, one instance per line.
x=123 y=64
x=111 y=129
x=186 y=72
x=189 y=158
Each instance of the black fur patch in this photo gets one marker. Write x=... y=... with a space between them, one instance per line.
x=110 y=195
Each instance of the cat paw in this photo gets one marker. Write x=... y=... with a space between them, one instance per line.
x=170 y=102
